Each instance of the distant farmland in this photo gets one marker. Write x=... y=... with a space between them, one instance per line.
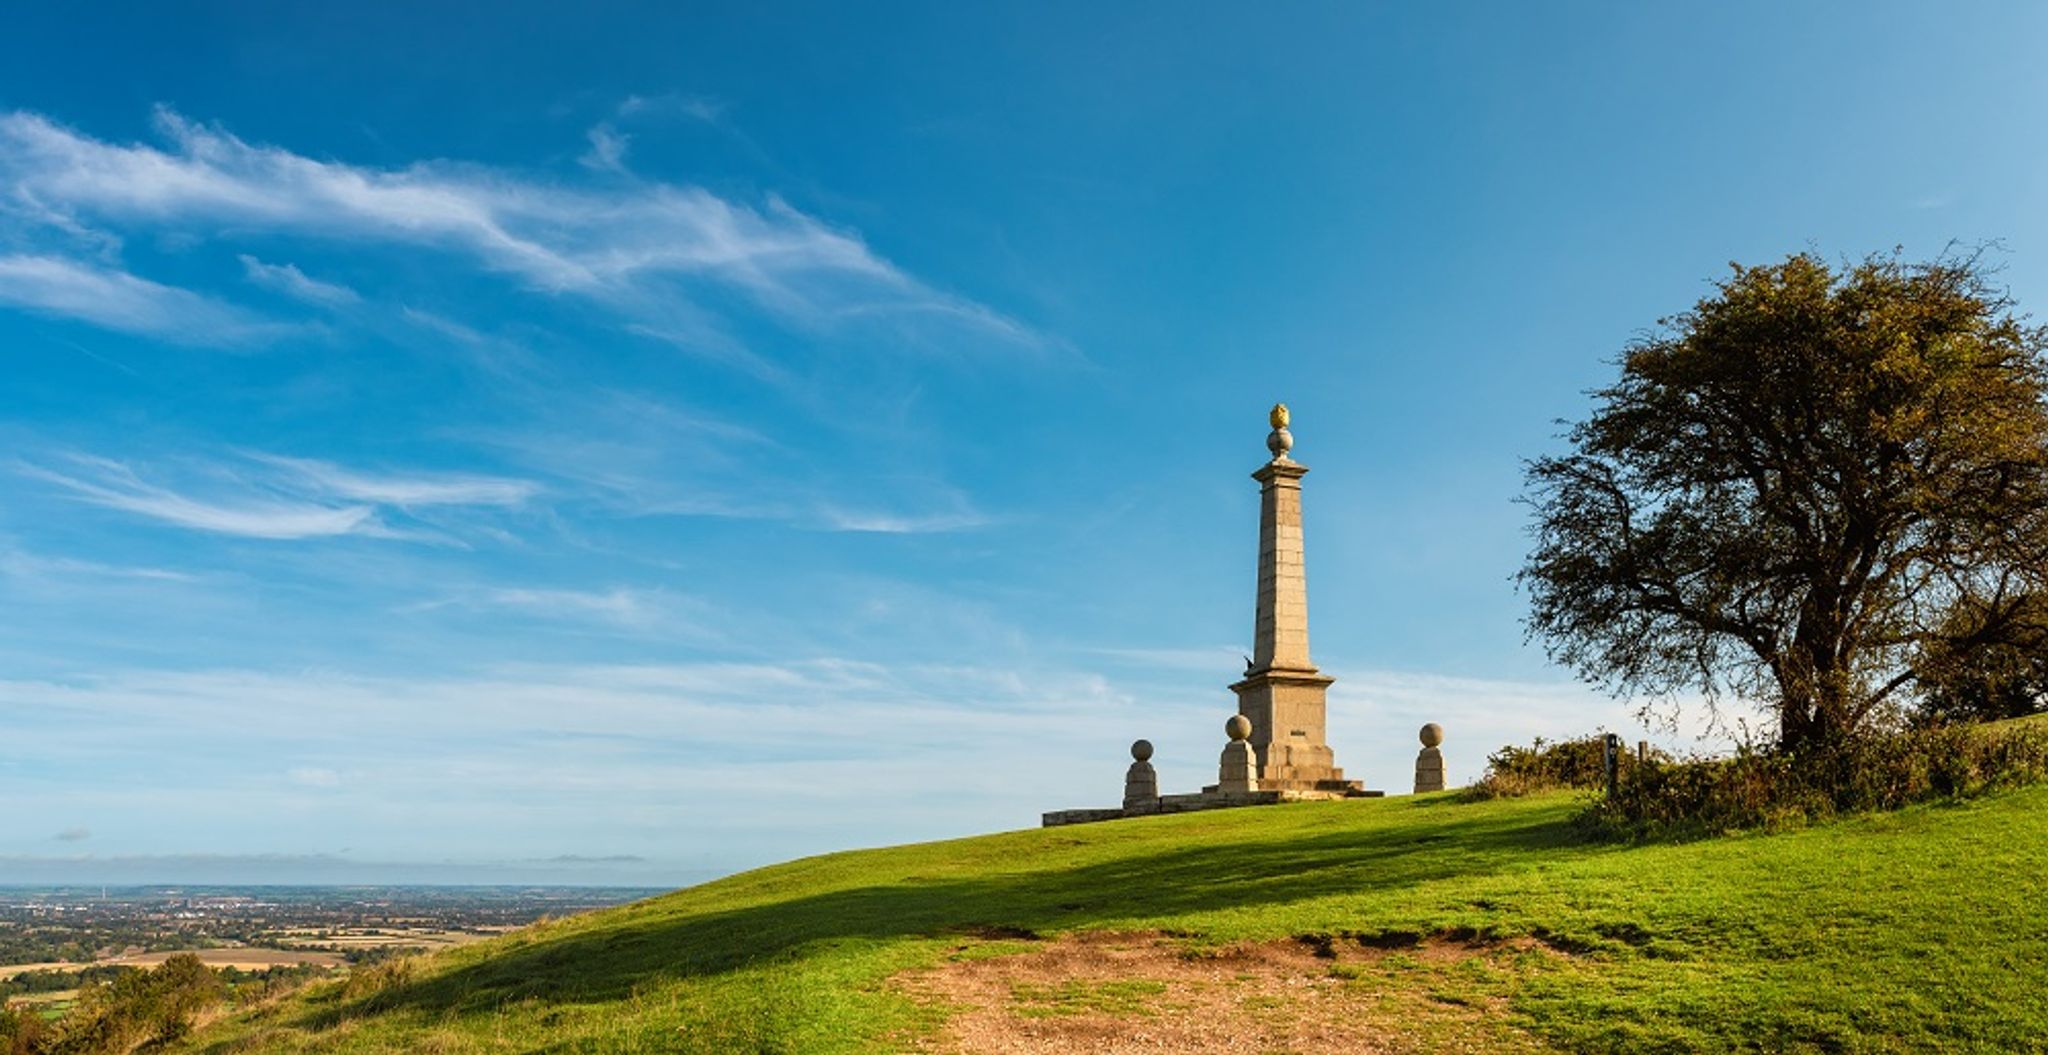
x=244 y=958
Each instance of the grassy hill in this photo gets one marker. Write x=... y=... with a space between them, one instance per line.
x=1425 y=923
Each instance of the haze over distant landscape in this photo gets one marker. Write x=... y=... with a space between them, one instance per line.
x=627 y=449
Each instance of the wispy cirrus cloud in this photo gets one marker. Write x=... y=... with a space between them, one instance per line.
x=636 y=456
x=609 y=244
x=289 y=280
x=694 y=107
x=117 y=300
x=410 y=490
x=899 y=523
x=609 y=143
x=608 y=147
x=113 y=485
x=297 y=499
x=618 y=606
x=18 y=563
x=314 y=777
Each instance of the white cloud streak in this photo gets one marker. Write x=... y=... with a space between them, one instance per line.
x=16 y=563
x=410 y=491
x=292 y=282
x=116 y=486
x=895 y=523
x=553 y=236
x=608 y=148
x=694 y=107
x=304 y=499
x=619 y=606
x=126 y=303
x=314 y=777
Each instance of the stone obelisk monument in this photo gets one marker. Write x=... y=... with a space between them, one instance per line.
x=1282 y=691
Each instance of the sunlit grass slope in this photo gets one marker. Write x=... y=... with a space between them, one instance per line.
x=1915 y=931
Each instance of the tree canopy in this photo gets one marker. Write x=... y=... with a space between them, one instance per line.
x=1822 y=489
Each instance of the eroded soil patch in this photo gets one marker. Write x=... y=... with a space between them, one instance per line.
x=1107 y=993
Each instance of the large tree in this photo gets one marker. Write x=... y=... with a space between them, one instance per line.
x=1814 y=491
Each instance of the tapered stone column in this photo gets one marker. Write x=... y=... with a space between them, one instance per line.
x=1282 y=692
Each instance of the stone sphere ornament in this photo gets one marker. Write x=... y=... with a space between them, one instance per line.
x=1238 y=727
x=1142 y=750
x=1432 y=735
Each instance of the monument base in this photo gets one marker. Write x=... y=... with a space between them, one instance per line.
x=1327 y=780
x=1286 y=709
x=1209 y=799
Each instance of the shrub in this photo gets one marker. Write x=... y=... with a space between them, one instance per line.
x=387 y=976
x=20 y=1030
x=138 y=1007
x=1770 y=789
x=1514 y=770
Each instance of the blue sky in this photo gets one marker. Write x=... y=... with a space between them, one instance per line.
x=616 y=443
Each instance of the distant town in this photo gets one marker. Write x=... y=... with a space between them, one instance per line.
x=53 y=939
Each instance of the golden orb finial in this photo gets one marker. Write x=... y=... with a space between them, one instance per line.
x=1279 y=441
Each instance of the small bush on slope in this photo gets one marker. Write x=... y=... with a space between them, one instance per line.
x=1772 y=789
x=1661 y=796
x=112 y=1018
x=1548 y=766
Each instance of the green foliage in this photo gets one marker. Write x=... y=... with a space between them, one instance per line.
x=2005 y=677
x=57 y=979
x=115 y=1017
x=1799 y=491
x=1774 y=790
x=1547 y=766
x=367 y=982
x=21 y=1030
x=246 y=986
x=1817 y=939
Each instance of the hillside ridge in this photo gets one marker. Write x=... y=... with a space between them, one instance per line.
x=1903 y=931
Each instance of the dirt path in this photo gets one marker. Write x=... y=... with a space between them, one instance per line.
x=1094 y=994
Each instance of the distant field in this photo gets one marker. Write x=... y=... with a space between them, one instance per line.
x=245 y=959
x=386 y=937
x=320 y=947
x=13 y=969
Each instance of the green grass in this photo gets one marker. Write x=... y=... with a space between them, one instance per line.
x=1922 y=930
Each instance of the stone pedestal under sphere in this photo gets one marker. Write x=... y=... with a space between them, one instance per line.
x=1429 y=763
x=1238 y=771
x=1141 y=781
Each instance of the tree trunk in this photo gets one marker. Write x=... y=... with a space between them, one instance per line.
x=1795 y=724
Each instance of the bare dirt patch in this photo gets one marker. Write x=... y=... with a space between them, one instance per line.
x=1107 y=993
